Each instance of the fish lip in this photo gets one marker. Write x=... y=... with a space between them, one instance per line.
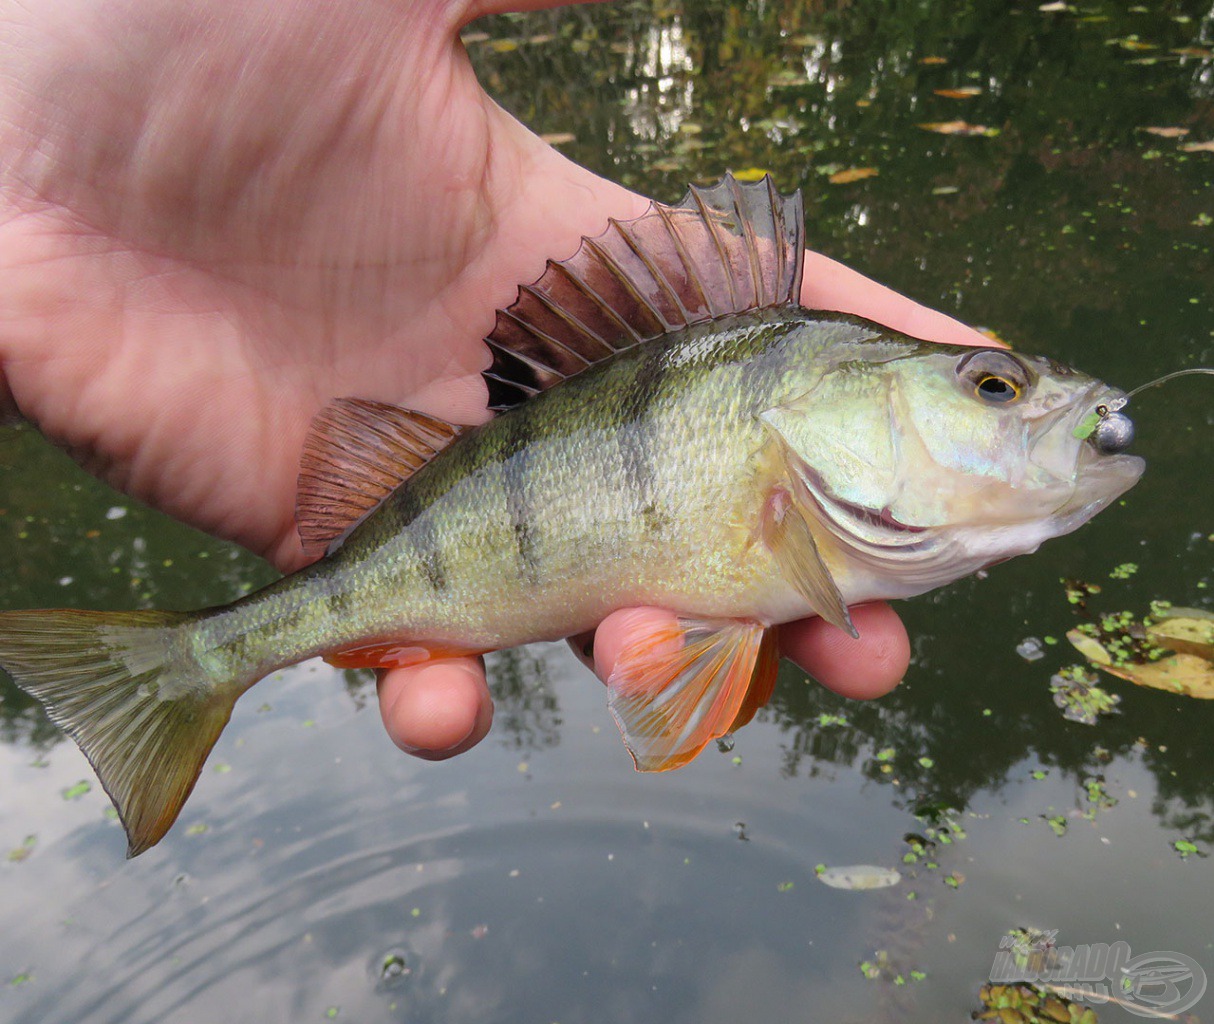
x=1095 y=473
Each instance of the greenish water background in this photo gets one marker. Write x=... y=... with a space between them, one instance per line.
x=317 y=874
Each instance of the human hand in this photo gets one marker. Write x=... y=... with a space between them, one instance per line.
x=210 y=226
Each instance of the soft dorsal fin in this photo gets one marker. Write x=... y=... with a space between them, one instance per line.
x=357 y=453
x=725 y=249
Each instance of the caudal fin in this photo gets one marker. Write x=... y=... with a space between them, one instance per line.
x=121 y=685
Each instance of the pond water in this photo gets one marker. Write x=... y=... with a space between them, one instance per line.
x=317 y=874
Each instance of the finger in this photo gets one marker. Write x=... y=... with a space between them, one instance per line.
x=619 y=627
x=865 y=668
x=436 y=710
x=828 y=284
x=868 y=667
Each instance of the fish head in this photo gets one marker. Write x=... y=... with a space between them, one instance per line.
x=947 y=458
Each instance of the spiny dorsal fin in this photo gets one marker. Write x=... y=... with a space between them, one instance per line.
x=357 y=453
x=725 y=249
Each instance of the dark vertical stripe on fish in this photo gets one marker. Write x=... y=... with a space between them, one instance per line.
x=638 y=437
x=517 y=484
x=427 y=552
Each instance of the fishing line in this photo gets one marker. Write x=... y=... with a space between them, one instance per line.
x=1120 y=402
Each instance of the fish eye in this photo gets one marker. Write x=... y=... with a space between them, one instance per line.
x=997 y=389
x=994 y=376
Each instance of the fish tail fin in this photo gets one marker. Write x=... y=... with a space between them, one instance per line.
x=124 y=686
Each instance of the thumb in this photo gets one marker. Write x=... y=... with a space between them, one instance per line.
x=438 y=709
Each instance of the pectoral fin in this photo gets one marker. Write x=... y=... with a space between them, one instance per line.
x=786 y=531
x=675 y=690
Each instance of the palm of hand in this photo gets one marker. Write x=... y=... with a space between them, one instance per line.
x=199 y=269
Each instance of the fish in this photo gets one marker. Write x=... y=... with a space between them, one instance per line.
x=672 y=429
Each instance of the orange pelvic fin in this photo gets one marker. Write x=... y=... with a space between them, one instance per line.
x=396 y=654
x=683 y=685
x=763 y=685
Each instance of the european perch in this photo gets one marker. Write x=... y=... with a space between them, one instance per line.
x=673 y=430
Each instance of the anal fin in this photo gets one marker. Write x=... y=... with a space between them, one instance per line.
x=396 y=654
x=675 y=690
x=357 y=453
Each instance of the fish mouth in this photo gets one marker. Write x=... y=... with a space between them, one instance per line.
x=1100 y=480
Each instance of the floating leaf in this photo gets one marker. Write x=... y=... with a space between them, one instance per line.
x=851 y=174
x=933 y=61
x=77 y=791
x=1198 y=147
x=1165 y=132
x=751 y=174
x=1132 y=43
x=958 y=128
x=859 y=877
x=558 y=138
x=1193 y=51
x=1189 y=632
x=503 y=45
x=1081 y=700
x=965 y=92
x=1185 y=631
x=786 y=77
x=22 y=852
x=1054 y=7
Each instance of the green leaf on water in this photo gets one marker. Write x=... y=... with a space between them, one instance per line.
x=77 y=791
x=20 y=853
